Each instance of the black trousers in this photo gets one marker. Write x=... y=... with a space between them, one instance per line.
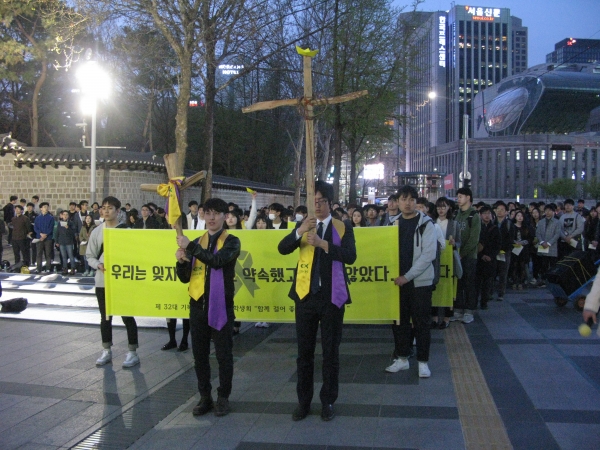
x=106 y=323
x=466 y=295
x=172 y=326
x=44 y=248
x=502 y=272
x=415 y=304
x=21 y=247
x=485 y=280
x=314 y=310
x=546 y=263
x=201 y=334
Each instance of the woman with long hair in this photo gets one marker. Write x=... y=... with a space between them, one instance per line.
x=443 y=216
x=358 y=218
x=524 y=240
x=86 y=229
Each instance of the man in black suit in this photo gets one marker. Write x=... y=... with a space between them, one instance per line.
x=320 y=290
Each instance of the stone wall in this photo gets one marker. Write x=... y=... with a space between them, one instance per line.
x=60 y=185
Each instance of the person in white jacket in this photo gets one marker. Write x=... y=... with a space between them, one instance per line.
x=418 y=247
x=592 y=302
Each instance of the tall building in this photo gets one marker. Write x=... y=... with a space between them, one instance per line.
x=575 y=51
x=519 y=45
x=461 y=52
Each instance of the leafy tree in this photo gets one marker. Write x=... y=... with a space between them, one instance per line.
x=560 y=188
x=33 y=34
x=591 y=187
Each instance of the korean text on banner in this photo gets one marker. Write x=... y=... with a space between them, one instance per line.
x=141 y=278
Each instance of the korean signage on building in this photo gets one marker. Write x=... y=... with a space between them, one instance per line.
x=485 y=14
x=442 y=41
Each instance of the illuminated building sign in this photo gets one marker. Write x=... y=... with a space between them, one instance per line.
x=442 y=41
x=482 y=13
x=231 y=69
x=571 y=41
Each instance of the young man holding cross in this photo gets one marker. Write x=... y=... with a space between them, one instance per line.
x=208 y=264
x=320 y=290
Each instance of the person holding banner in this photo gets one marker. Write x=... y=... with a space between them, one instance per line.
x=320 y=290
x=418 y=247
x=95 y=256
x=208 y=265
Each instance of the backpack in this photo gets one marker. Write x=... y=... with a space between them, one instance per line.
x=438 y=254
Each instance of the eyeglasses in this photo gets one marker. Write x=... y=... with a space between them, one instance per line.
x=321 y=201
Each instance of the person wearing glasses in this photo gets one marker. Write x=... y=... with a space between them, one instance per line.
x=320 y=290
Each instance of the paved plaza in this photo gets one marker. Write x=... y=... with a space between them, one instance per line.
x=520 y=376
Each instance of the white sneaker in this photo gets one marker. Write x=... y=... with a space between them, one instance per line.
x=132 y=359
x=105 y=357
x=468 y=318
x=398 y=365
x=424 y=371
x=265 y=325
x=457 y=317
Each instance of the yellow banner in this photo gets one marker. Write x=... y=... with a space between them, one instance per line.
x=141 y=279
x=445 y=291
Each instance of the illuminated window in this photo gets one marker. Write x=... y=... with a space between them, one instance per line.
x=543 y=152
x=529 y=155
x=553 y=155
x=564 y=156
x=518 y=155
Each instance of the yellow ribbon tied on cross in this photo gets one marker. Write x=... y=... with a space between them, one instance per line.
x=171 y=191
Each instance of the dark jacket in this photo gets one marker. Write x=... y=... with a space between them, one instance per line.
x=507 y=235
x=489 y=240
x=66 y=235
x=151 y=223
x=44 y=223
x=345 y=252
x=527 y=236
x=225 y=258
x=21 y=227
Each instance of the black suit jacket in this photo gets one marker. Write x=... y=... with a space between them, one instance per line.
x=345 y=252
x=151 y=223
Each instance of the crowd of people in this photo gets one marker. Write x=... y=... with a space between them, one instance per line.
x=505 y=245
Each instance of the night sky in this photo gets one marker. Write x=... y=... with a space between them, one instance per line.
x=548 y=21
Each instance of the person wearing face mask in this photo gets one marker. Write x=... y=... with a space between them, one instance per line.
x=300 y=213
x=276 y=213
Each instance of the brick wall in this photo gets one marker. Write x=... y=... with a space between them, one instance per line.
x=59 y=186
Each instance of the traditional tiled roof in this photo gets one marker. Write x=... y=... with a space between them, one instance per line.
x=73 y=157
x=119 y=159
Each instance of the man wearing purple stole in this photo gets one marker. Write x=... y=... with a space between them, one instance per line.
x=320 y=290
x=208 y=264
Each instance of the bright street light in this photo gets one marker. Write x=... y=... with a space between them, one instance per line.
x=95 y=85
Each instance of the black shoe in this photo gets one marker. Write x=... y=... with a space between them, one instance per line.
x=433 y=325
x=183 y=346
x=236 y=331
x=327 y=412
x=443 y=325
x=204 y=405
x=484 y=306
x=221 y=407
x=300 y=413
x=169 y=345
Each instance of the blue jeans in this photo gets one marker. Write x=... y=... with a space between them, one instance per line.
x=67 y=250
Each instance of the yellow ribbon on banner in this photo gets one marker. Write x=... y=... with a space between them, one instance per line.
x=198 y=278
x=171 y=191
x=307 y=252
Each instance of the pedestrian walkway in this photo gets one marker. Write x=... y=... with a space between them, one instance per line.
x=520 y=377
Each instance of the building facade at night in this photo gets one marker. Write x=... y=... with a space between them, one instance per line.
x=461 y=52
x=575 y=51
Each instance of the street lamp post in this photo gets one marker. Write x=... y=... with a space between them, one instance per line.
x=95 y=86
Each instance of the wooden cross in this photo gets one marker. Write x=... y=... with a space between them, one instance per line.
x=308 y=103
x=171 y=165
